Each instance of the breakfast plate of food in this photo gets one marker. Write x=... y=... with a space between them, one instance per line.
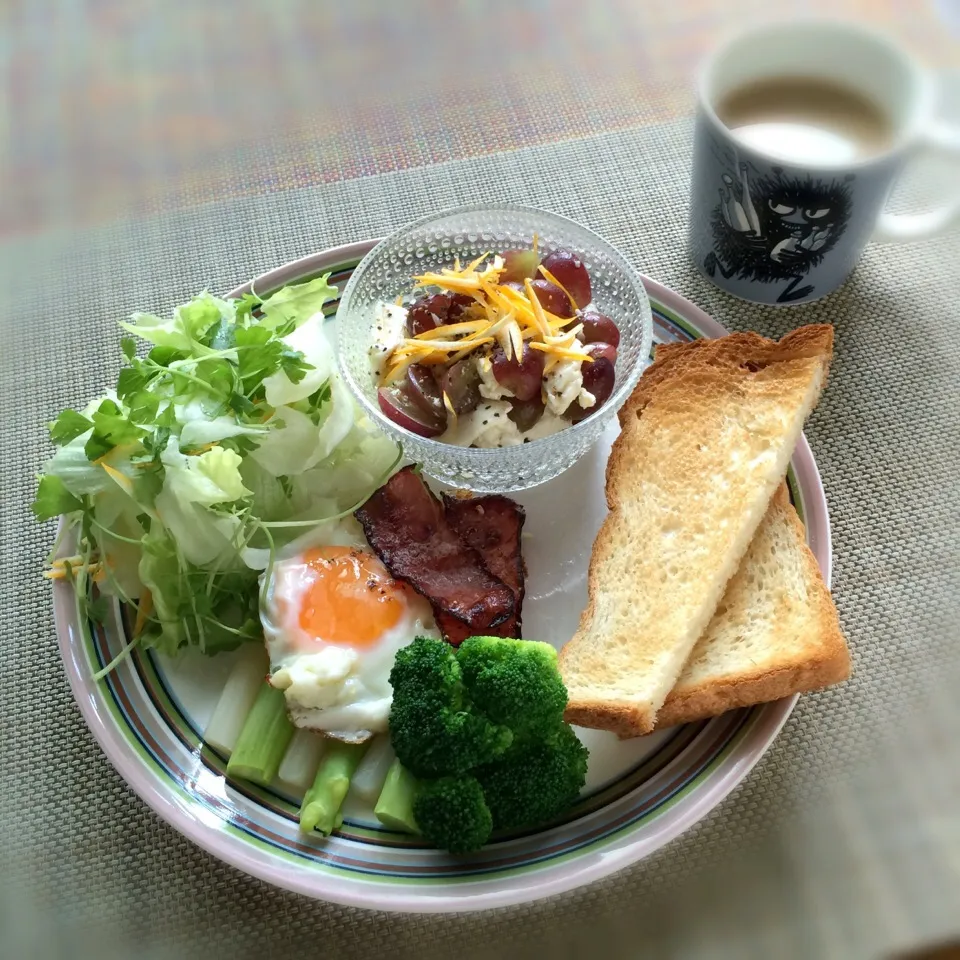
x=443 y=572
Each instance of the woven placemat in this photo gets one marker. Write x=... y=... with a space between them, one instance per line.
x=132 y=109
x=844 y=841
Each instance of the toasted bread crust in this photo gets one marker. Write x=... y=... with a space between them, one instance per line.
x=824 y=661
x=680 y=371
x=682 y=365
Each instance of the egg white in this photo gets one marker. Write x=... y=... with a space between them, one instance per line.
x=336 y=689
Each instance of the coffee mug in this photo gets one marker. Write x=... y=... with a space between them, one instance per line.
x=801 y=131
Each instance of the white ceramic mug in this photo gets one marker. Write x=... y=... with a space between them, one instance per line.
x=791 y=229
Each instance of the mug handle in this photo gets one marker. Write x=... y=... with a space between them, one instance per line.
x=900 y=227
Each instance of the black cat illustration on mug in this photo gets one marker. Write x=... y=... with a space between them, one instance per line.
x=801 y=132
x=775 y=228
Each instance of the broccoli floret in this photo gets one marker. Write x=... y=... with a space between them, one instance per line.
x=482 y=729
x=428 y=667
x=452 y=814
x=514 y=683
x=535 y=780
x=433 y=727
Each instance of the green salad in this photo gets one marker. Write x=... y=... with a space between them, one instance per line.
x=232 y=437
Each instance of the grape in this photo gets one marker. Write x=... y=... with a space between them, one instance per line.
x=513 y=284
x=439 y=308
x=552 y=298
x=427 y=313
x=423 y=390
x=526 y=413
x=461 y=383
x=605 y=350
x=598 y=328
x=458 y=303
x=598 y=379
x=397 y=406
x=569 y=271
x=519 y=265
x=520 y=377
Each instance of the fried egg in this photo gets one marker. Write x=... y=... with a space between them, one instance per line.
x=333 y=620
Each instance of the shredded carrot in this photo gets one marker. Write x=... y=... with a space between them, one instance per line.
x=144 y=609
x=59 y=572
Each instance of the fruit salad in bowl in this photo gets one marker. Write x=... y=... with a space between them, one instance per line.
x=507 y=349
x=495 y=343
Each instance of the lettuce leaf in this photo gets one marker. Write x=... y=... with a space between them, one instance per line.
x=233 y=438
x=293 y=304
x=208 y=478
x=311 y=341
x=184 y=330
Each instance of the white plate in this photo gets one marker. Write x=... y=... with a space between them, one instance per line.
x=148 y=716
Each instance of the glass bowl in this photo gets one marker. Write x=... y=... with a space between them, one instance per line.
x=466 y=232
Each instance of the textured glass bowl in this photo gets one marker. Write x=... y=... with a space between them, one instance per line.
x=466 y=232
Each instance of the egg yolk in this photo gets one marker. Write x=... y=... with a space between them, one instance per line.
x=351 y=598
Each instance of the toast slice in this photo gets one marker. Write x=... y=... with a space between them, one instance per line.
x=705 y=440
x=775 y=633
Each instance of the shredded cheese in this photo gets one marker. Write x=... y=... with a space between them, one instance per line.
x=550 y=278
x=459 y=355
x=538 y=313
x=455 y=283
x=451 y=329
x=451 y=412
x=471 y=267
x=499 y=313
x=564 y=352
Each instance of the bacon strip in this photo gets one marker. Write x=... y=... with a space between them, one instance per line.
x=492 y=525
x=455 y=631
x=405 y=525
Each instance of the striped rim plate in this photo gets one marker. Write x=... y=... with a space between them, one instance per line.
x=147 y=720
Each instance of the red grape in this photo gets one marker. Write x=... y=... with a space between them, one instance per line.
x=423 y=390
x=519 y=265
x=598 y=379
x=526 y=413
x=552 y=298
x=598 y=328
x=461 y=383
x=429 y=312
x=520 y=377
x=568 y=269
x=397 y=406
x=605 y=350
x=458 y=303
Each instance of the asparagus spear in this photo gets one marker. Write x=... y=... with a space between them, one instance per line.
x=368 y=781
x=394 y=809
x=322 y=802
x=301 y=761
x=237 y=699
x=263 y=740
